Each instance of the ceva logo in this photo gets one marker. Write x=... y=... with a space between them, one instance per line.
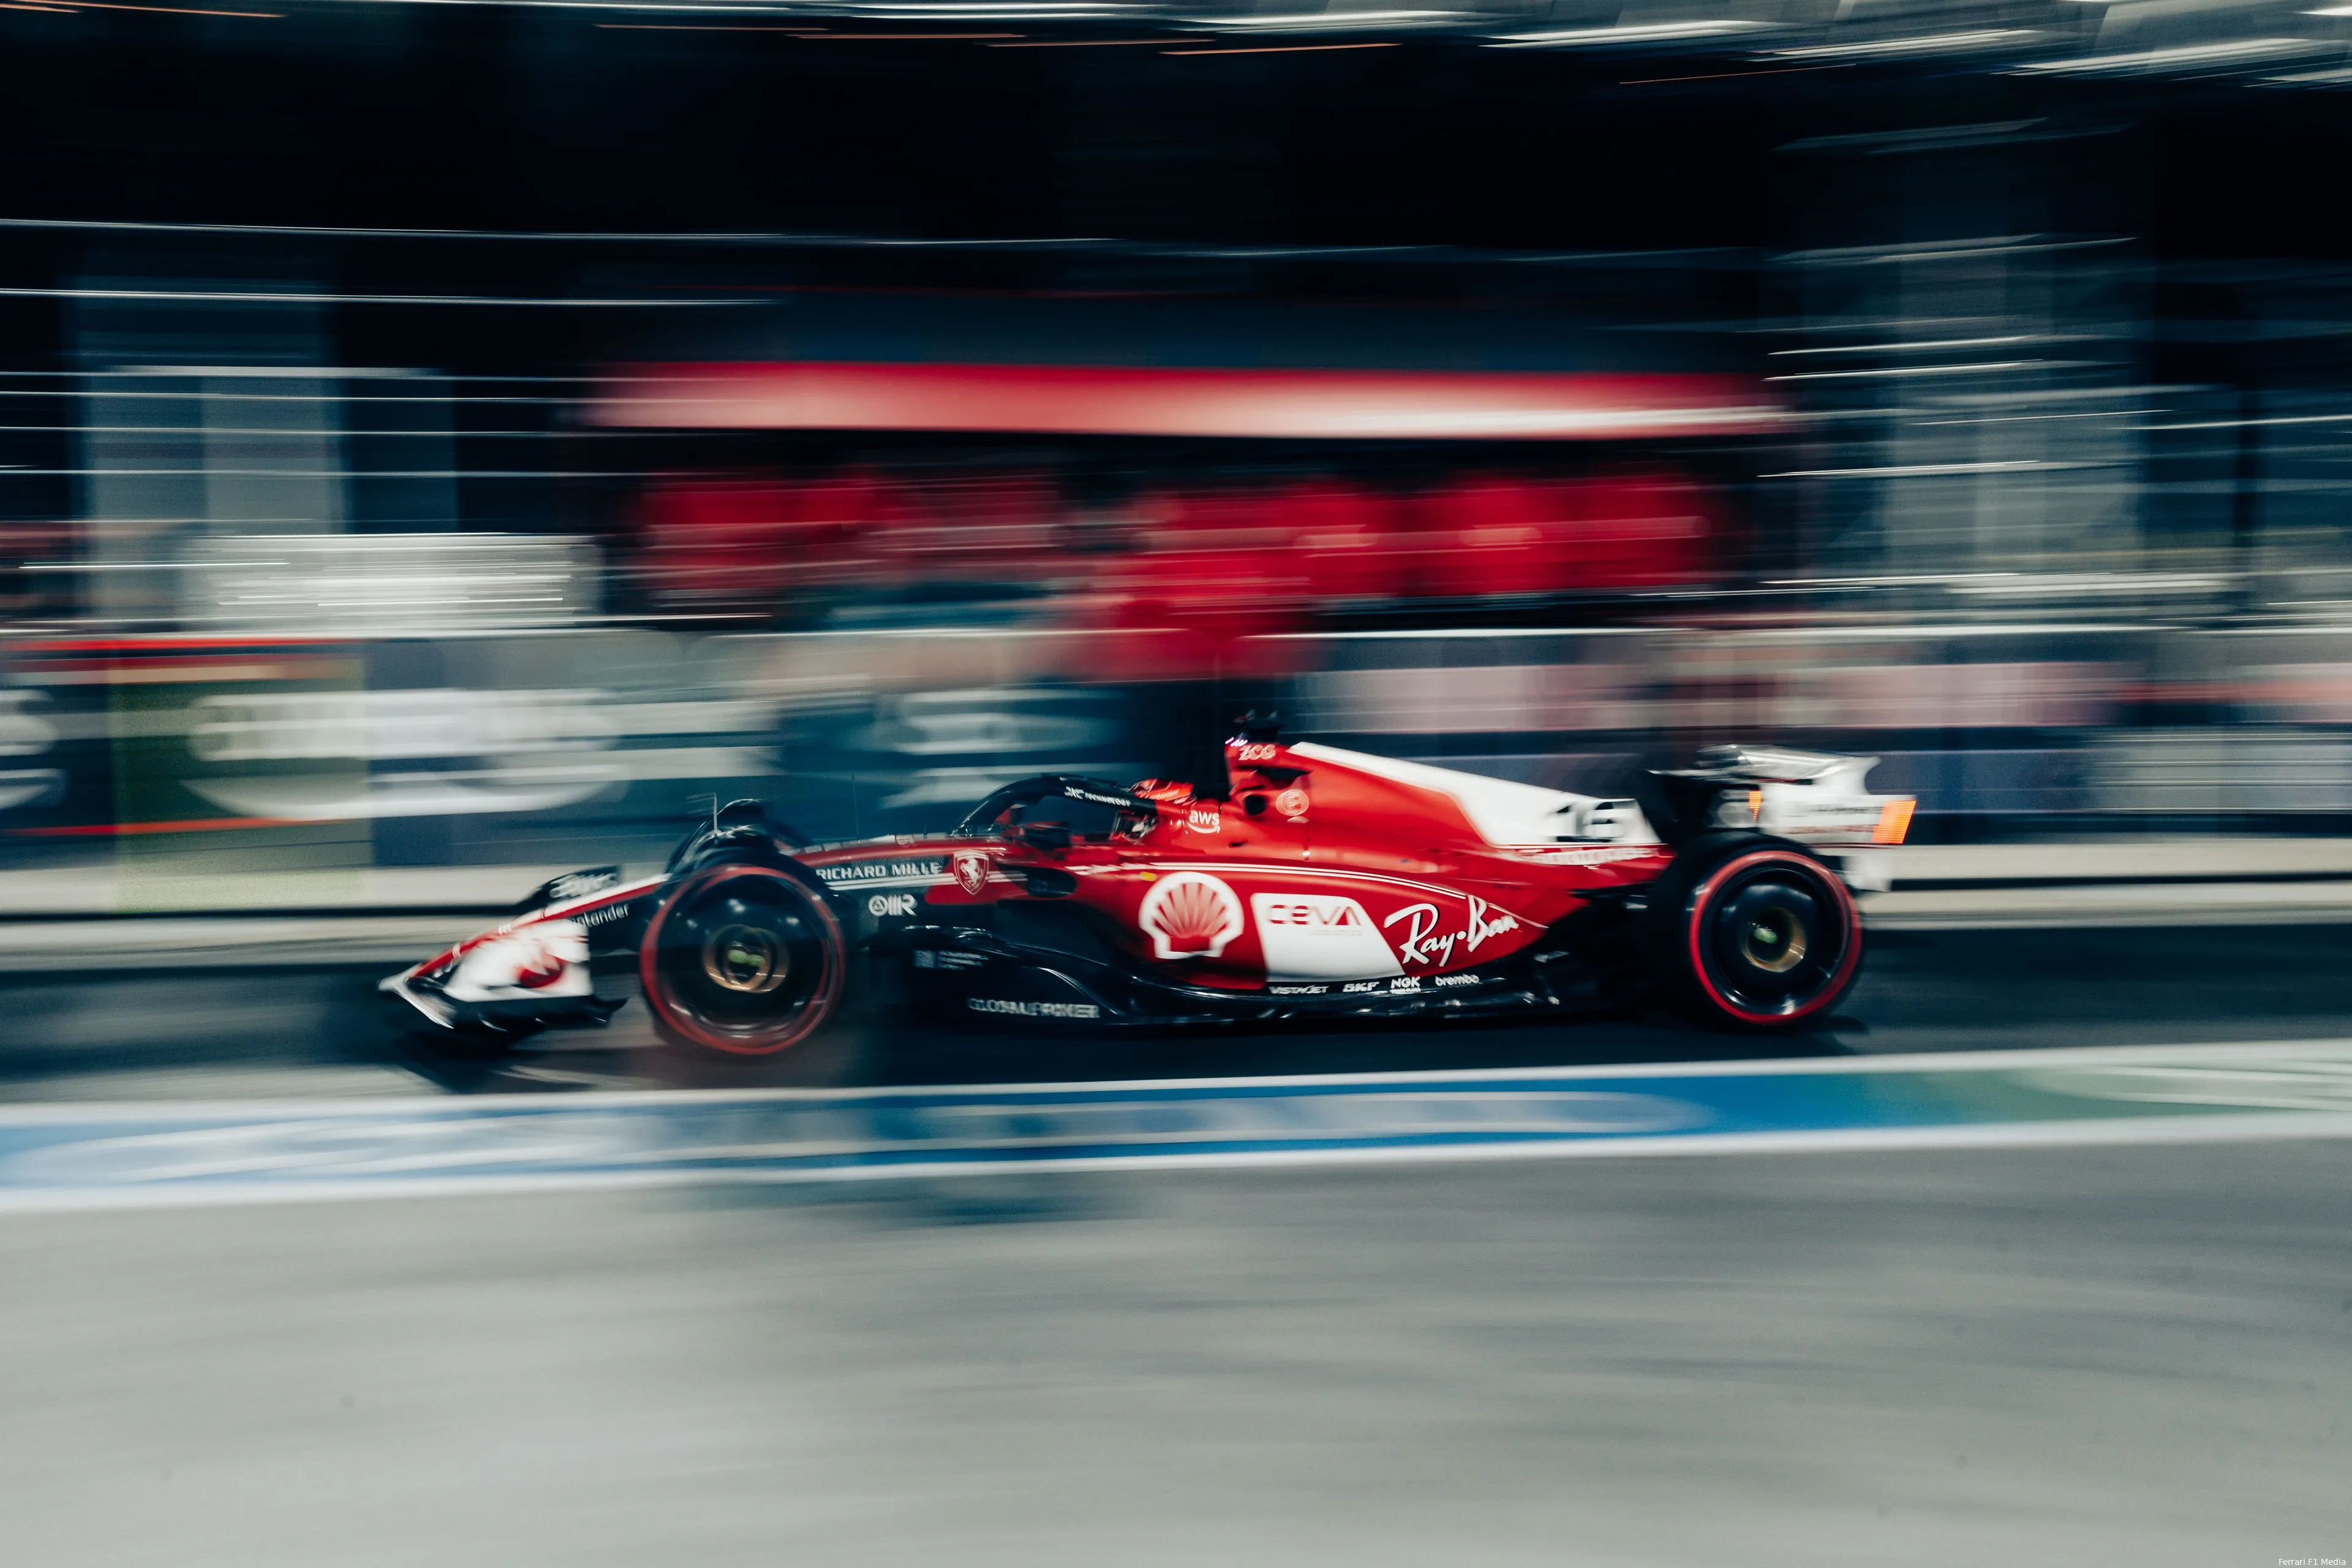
x=1319 y=936
x=1312 y=914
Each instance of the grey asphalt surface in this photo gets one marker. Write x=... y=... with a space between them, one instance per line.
x=2129 y=1355
x=2140 y=1355
x=320 y=1031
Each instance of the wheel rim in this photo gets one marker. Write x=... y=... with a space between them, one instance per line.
x=747 y=959
x=742 y=959
x=1774 y=941
x=1773 y=937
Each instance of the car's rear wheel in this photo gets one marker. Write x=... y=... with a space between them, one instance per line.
x=1754 y=932
x=747 y=959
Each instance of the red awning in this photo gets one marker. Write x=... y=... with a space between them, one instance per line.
x=1127 y=401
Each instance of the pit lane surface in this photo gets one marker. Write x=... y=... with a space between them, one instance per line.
x=2018 y=1354
x=2036 y=1356
x=319 y=1031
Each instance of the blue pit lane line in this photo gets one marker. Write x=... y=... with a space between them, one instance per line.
x=94 y=1155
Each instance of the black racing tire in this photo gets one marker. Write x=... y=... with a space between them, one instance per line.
x=744 y=959
x=1751 y=933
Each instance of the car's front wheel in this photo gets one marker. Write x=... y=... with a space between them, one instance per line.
x=747 y=959
x=1754 y=932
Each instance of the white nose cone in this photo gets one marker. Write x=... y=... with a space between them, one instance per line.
x=547 y=958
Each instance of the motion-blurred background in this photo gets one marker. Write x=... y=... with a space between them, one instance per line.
x=444 y=442
x=457 y=435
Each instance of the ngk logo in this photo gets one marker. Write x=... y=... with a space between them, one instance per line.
x=1309 y=914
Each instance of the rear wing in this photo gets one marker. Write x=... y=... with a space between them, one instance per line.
x=1813 y=798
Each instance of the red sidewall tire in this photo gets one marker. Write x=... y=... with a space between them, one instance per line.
x=1699 y=906
x=677 y=1023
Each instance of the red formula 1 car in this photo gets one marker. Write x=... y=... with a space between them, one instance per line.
x=1322 y=884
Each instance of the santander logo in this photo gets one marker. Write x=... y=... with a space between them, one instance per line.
x=1189 y=914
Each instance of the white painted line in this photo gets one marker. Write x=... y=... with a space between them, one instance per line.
x=2107 y=1132
x=1920 y=1062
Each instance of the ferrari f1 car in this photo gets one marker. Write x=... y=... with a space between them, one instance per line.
x=1322 y=884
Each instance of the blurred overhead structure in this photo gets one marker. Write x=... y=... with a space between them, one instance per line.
x=2278 y=41
x=2288 y=43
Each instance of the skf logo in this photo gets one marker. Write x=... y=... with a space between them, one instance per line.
x=970 y=868
x=1311 y=914
x=1188 y=914
x=890 y=904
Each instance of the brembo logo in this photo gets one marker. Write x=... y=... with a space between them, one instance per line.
x=1188 y=914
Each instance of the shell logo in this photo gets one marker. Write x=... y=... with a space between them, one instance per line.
x=546 y=958
x=1189 y=914
x=541 y=961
